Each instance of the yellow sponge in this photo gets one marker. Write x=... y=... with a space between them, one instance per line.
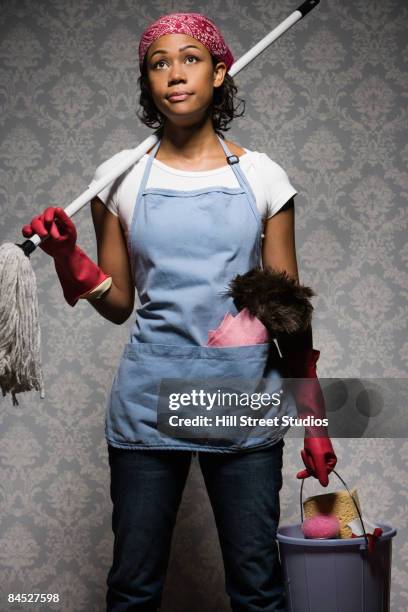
x=338 y=503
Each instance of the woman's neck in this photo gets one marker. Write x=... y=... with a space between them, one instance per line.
x=190 y=145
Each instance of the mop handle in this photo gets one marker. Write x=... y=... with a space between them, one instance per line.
x=97 y=186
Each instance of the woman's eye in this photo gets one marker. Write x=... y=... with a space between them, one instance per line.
x=189 y=57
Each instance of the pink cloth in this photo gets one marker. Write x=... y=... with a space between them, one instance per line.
x=321 y=526
x=193 y=24
x=240 y=330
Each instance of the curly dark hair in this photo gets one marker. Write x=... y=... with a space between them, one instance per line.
x=224 y=109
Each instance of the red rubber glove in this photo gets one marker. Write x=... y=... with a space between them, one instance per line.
x=78 y=274
x=319 y=458
x=318 y=454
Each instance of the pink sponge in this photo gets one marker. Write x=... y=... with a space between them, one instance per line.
x=321 y=526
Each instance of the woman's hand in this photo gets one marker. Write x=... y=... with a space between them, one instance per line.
x=57 y=231
x=78 y=274
x=319 y=458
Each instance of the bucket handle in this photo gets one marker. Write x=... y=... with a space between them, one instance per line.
x=353 y=500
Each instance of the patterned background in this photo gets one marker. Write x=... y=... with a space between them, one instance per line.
x=328 y=101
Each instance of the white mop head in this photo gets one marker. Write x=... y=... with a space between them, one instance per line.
x=20 y=335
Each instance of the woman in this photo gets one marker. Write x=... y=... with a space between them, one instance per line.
x=179 y=225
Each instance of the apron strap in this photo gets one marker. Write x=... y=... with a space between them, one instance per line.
x=149 y=162
x=233 y=161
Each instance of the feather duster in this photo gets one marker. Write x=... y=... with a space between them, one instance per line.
x=275 y=298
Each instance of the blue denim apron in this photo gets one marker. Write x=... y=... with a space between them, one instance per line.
x=185 y=247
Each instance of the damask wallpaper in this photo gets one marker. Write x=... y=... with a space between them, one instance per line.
x=327 y=101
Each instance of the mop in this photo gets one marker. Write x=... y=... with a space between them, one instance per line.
x=20 y=353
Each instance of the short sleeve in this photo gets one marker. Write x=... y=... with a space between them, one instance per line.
x=277 y=186
x=109 y=194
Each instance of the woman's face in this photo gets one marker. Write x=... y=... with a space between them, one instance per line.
x=179 y=63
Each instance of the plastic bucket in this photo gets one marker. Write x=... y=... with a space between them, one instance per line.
x=335 y=574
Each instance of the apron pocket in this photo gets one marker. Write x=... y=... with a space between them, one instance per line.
x=149 y=363
x=150 y=376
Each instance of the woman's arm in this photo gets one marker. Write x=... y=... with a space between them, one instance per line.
x=279 y=253
x=117 y=303
x=279 y=250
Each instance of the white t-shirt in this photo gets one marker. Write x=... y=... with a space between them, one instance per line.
x=268 y=180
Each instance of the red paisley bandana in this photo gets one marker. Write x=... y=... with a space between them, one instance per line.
x=193 y=24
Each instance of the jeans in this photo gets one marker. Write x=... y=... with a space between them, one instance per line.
x=243 y=488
